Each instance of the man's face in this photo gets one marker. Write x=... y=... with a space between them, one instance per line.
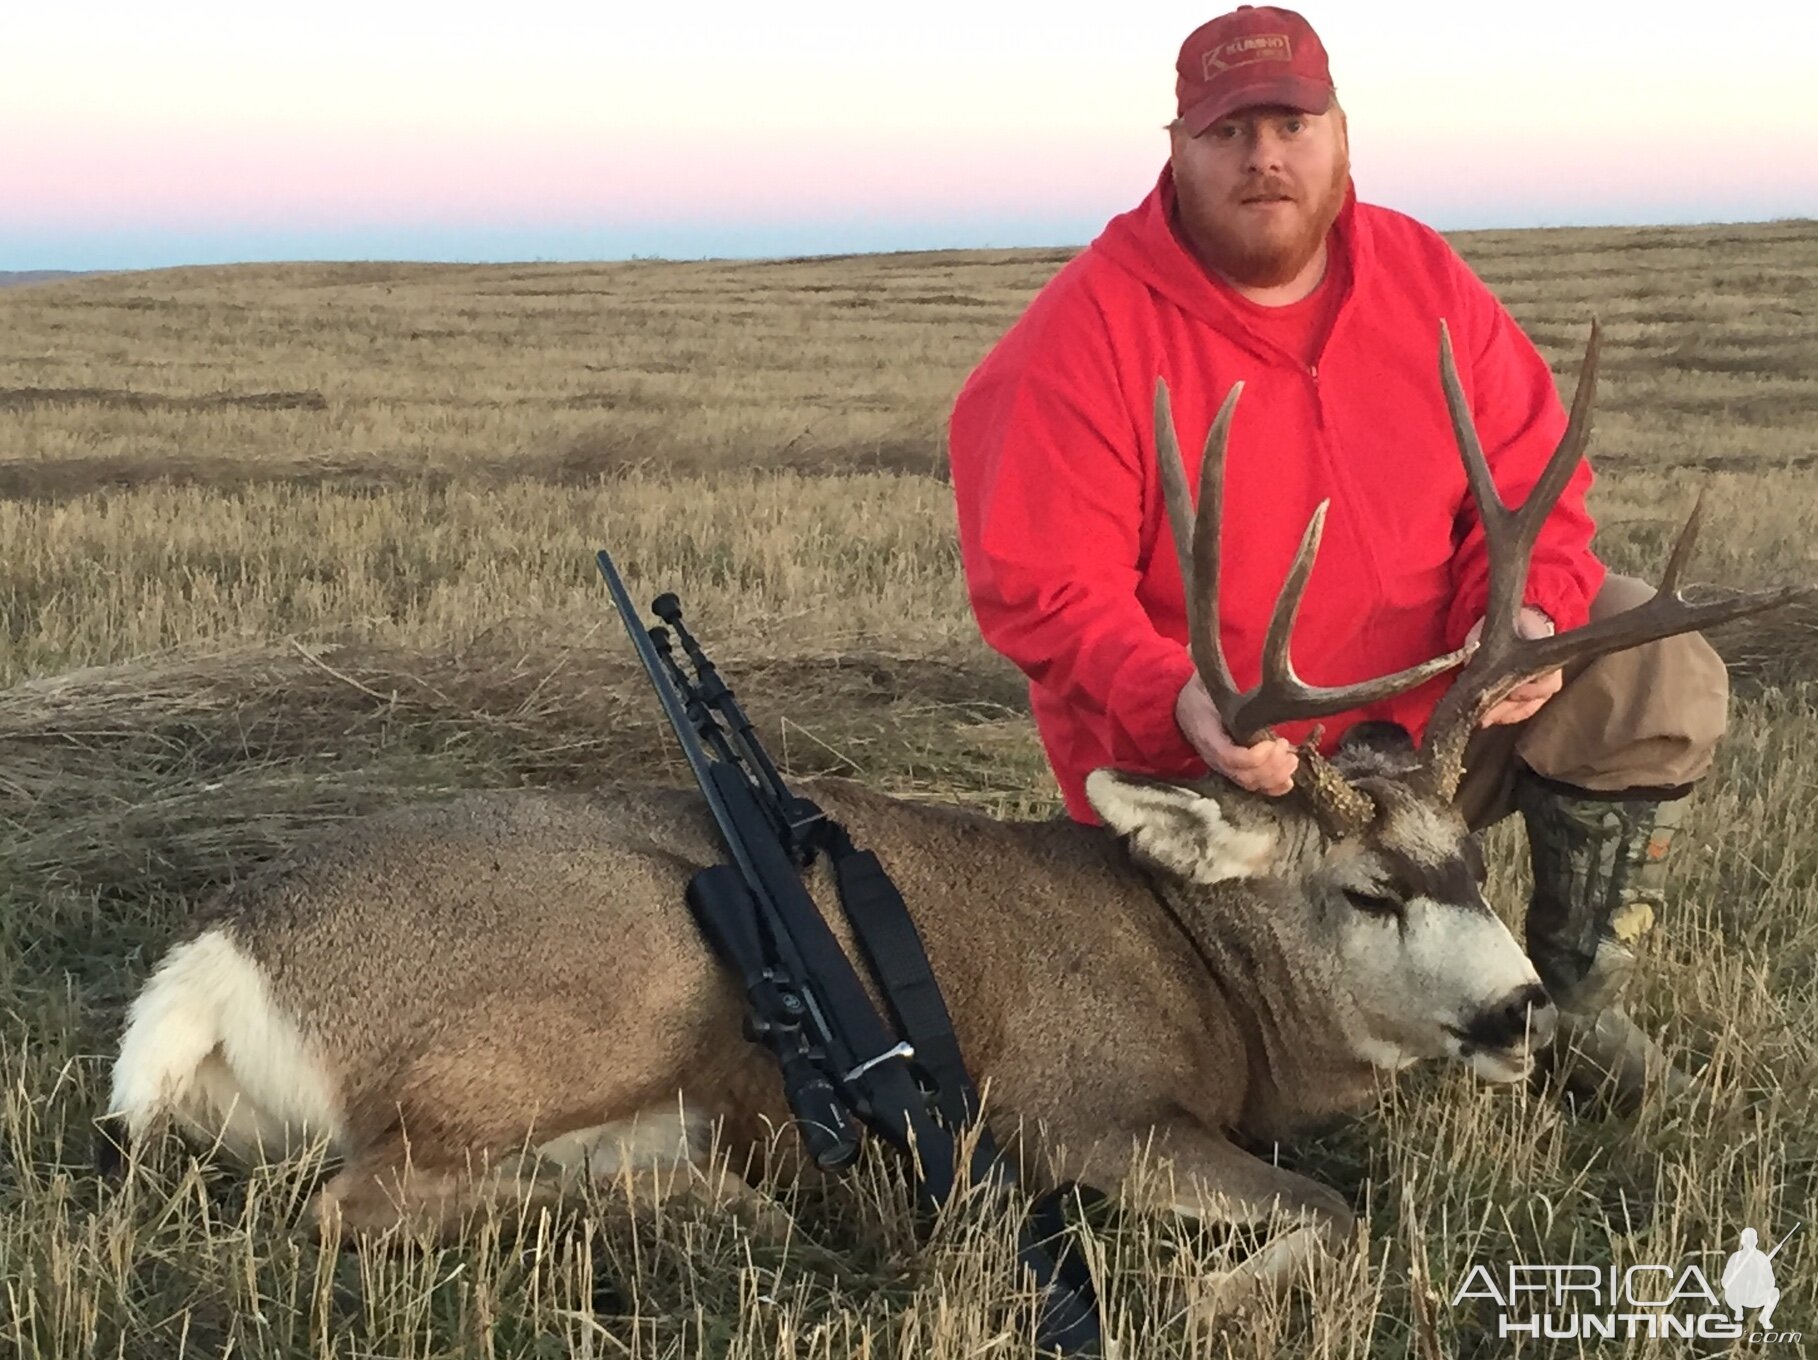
x=1258 y=191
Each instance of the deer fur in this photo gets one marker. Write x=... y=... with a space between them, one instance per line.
x=441 y=988
x=457 y=998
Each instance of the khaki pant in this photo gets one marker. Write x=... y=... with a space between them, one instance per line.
x=1645 y=720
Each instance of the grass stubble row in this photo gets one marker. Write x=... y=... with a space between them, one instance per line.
x=284 y=545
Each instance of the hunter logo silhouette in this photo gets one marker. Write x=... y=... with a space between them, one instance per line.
x=1748 y=1278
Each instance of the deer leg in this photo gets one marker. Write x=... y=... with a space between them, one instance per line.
x=384 y=1186
x=710 y=1186
x=1198 y=1173
x=651 y=1159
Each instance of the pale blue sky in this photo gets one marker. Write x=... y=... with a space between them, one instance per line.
x=196 y=132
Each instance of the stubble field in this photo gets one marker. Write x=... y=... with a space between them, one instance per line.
x=284 y=545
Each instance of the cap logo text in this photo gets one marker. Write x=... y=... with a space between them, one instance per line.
x=1242 y=51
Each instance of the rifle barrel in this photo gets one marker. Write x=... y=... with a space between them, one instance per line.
x=717 y=694
x=664 y=673
x=672 y=708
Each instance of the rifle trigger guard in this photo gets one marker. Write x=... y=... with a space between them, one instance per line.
x=900 y=1051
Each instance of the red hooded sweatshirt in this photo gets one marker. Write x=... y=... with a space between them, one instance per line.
x=1069 y=563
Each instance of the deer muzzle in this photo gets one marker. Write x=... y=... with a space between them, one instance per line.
x=1507 y=1033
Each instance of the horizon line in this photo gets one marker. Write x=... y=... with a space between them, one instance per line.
x=755 y=256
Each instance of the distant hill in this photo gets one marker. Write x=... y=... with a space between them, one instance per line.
x=11 y=277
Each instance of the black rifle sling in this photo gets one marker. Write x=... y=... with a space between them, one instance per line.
x=893 y=951
x=808 y=949
x=892 y=947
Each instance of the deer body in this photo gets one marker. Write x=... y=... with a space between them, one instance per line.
x=441 y=987
x=514 y=966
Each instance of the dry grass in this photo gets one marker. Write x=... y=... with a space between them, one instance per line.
x=284 y=545
x=562 y=372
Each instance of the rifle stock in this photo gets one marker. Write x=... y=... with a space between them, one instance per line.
x=727 y=916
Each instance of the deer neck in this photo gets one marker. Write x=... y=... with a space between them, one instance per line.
x=1303 y=1032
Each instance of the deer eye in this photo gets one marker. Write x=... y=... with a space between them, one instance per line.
x=1375 y=904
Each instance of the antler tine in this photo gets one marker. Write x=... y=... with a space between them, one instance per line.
x=1682 y=547
x=1666 y=613
x=1504 y=658
x=1510 y=535
x=1280 y=693
x=1277 y=664
x=1499 y=661
x=1196 y=537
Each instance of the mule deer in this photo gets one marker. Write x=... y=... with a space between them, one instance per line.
x=441 y=986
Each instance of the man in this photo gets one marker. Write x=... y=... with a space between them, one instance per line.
x=1252 y=260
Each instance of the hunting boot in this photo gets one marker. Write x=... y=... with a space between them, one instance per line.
x=1599 y=864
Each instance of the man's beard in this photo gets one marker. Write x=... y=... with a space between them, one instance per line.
x=1258 y=259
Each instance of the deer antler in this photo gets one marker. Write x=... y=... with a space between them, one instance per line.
x=1280 y=693
x=1504 y=658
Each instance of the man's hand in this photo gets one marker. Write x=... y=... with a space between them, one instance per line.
x=1524 y=701
x=1267 y=767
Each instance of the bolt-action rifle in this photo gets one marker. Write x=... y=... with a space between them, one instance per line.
x=844 y=1068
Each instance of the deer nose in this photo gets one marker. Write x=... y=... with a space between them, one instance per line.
x=1529 y=1014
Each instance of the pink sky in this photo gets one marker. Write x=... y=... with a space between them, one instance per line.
x=217 y=127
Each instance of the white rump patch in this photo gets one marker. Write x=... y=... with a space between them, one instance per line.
x=1184 y=832
x=205 y=1045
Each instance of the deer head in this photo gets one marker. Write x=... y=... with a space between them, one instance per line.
x=1374 y=856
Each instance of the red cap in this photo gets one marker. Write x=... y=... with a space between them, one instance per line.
x=1256 y=54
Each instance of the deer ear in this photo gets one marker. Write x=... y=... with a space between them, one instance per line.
x=1179 y=829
